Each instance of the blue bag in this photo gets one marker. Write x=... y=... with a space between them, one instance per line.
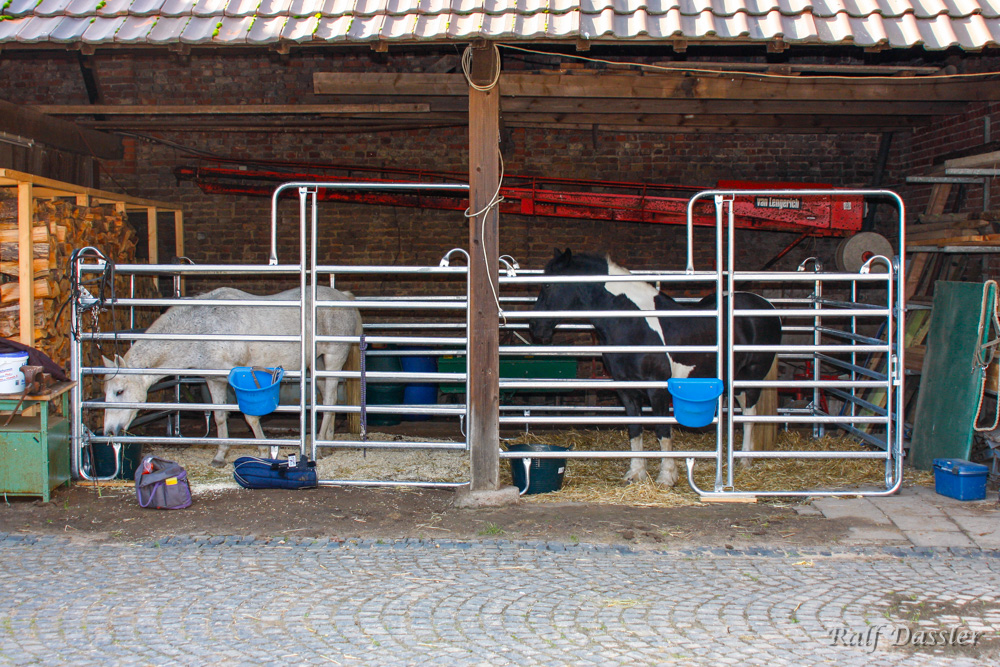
x=252 y=472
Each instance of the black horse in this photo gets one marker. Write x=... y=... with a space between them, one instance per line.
x=654 y=366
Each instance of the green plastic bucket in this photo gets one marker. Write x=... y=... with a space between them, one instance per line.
x=537 y=475
x=104 y=463
x=383 y=393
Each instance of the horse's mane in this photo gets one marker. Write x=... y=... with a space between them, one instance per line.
x=587 y=263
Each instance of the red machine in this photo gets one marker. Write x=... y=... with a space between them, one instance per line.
x=617 y=201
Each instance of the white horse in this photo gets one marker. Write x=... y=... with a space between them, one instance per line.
x=220 y=355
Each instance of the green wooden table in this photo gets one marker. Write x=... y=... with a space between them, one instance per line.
x=34 y=450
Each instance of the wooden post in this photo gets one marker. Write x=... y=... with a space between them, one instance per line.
x=179 y=242
x=25 y=268
x=484 y=331
x=152 y=235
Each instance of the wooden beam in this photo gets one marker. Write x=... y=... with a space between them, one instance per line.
x=226 y=109
x=152 y=235
x=484 y=331
x=57 y=133
x=179 y=244
x=25 y=254
x=670 y=86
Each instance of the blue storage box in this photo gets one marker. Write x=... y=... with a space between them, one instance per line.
x=960 y=479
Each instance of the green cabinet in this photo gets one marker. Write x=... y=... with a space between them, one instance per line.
x=34 y=451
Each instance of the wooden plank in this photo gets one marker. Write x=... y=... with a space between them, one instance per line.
x=484 y=334
x=46 y=187
x=939 y=198
x=227 y=109
x=917 y=263
x=27 y=122
x=982 y=160
x=659 y=86
x=977 y=240
x=152 y=235
x=25 y=255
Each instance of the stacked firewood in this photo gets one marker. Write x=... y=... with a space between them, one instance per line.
x=59 y=228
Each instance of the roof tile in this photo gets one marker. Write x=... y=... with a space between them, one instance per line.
x=934 y=24
x=37 y=29
x=273 y=7
x=306 y=7
x=81 y=7
x=10 y=28
x=199 y=30
x=234 y=30
x=51 y=7
x=989 y=8
x=364 y=28
x=113 y=7
x=209 y=7
x=168 y=30
x=399 y=27
x=70 y=29
x=332 y=29
x=145 y=7
x=21 y=7
x=300 y=29
x=102 y=29
x=975 y=30
x=135 y=29
x=177 y=7
x=242 y=7
x=266 y=30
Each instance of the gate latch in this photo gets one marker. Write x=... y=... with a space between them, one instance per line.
x=894 y=371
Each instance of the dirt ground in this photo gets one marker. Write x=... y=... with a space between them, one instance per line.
x=112 y=513
x=220 y=507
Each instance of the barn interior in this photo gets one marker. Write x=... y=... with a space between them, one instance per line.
x=156 y=132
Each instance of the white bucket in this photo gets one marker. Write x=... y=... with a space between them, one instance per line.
x=12 y=379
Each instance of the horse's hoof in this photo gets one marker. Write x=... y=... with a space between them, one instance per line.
x=218 y=464
x=668 y=480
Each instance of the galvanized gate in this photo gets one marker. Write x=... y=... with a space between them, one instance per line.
x=847 y=358
x=855 y=346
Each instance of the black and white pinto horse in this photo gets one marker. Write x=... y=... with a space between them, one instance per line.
x=671 y=331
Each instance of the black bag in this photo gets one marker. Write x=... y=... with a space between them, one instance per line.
x=252 y=472
x=162 y=484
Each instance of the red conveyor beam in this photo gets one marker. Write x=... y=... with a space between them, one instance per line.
x=816 y=216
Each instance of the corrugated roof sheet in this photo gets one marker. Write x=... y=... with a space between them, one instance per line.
x=932 y=24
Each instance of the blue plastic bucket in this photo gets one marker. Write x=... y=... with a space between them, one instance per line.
x=695 y=400
x=254 y=400
x=419 y=393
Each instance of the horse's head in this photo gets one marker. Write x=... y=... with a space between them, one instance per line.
x=120 y=388
x=555 y=296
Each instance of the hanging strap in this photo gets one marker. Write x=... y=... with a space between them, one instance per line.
x=364 y=407
x=986 y=351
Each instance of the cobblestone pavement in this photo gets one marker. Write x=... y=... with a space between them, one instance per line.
x=231 y=601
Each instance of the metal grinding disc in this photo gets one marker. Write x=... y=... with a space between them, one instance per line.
x=855 y=250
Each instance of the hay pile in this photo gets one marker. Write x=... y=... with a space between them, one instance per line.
x=355 y=464
x=587 y=480
x=602 y=480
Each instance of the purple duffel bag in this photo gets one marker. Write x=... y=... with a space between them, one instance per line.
x=162 y=484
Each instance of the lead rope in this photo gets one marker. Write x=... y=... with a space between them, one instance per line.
x=364 y=407
x=986 y=352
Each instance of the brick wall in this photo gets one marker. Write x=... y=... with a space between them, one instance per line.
x=236 y=228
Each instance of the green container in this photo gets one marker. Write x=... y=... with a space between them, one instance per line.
x=514 y=368
x=383 y=393
x=104 y=463
x=537 y=475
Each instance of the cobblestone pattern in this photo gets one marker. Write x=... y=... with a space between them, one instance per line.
x=234 y=601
